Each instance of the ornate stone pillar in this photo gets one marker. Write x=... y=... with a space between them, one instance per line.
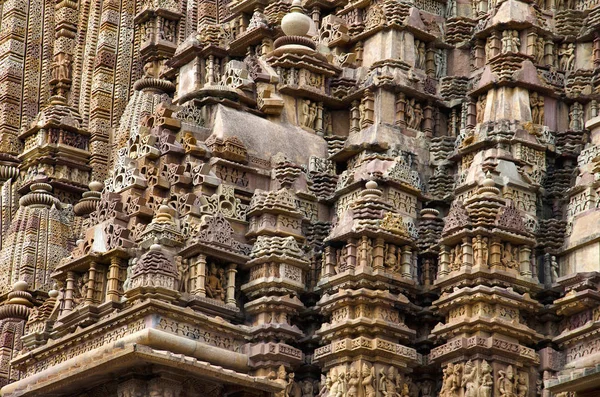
x=467 y=251
x=495 y=252
x=479 y=54
x=531 y=40
x=378 y=252
x=230 y=297
x=405 y=263
x=69 y=290
x=112 y=289
x=549 y=53
x=525 y=260
x=91 y=284
x=430 y=60
x=329 y=266
x=428 y=120
x=401 y=110
x=351 y=258
x=316 y=16
x=471 y=115
x=354 y=117
x=200 y=271
x=319 y=121
x=596 y=53
x=444 y=268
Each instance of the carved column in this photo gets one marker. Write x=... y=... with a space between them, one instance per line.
x=351 y=258
x=401 y=110
x=496 y=44
x=444 y=261
x=428 y=120
x=549 y=53
x=467 y=251
x=316 y=16
x=330 y=261
x=479 y=54
x=91 y=284
x=596 y=56
x=319 y=120
x=495 y=252
x=354 y=117
x=430 y=60
x=405 y=263
x=531 y=40
x=112 y=289
x=230 y=297
x=525 y=260
x=471 y=115
x=378 y=251
x=200 y=271
x=69 y=290
x=363 y=251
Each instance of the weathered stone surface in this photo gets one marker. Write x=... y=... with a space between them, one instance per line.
x=390 y=198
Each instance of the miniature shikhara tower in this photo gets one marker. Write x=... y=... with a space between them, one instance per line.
x=332 y=198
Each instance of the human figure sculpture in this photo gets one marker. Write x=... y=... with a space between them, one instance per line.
x=515 y=41
x=325 y=386
x=213 y=286
x=353 y=382
x=539 y=50
x=487 y=381
x=484 y=251
x=470 y=380
x=522 y=388
x=476 y=244
x=576 y=117
x=336 y=389
x=386 y=385
x=418 y=117
x=507 y=257
x=506 y=382
x=440 y=70
x=282 y=379
x=368 y=376
x=184 y=276
x=480 y=108
x=554 y=268
x=391 y=260
x=307 y=389
x=450 y=384
x=410 y=113
x=571 y=56
x=506 y=41
x=292 y=389
x=422 y=55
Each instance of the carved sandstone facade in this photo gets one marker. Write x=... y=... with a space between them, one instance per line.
x=373 y=198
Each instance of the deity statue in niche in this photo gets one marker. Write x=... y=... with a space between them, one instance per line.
x=213 y=284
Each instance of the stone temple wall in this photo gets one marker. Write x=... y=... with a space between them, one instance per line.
x=333 y=198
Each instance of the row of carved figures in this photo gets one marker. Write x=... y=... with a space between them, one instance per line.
x=466 y=380
x=394 y=259
x=544 y=51
x=478 y=251
x=215 y=282
x=364 y=381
